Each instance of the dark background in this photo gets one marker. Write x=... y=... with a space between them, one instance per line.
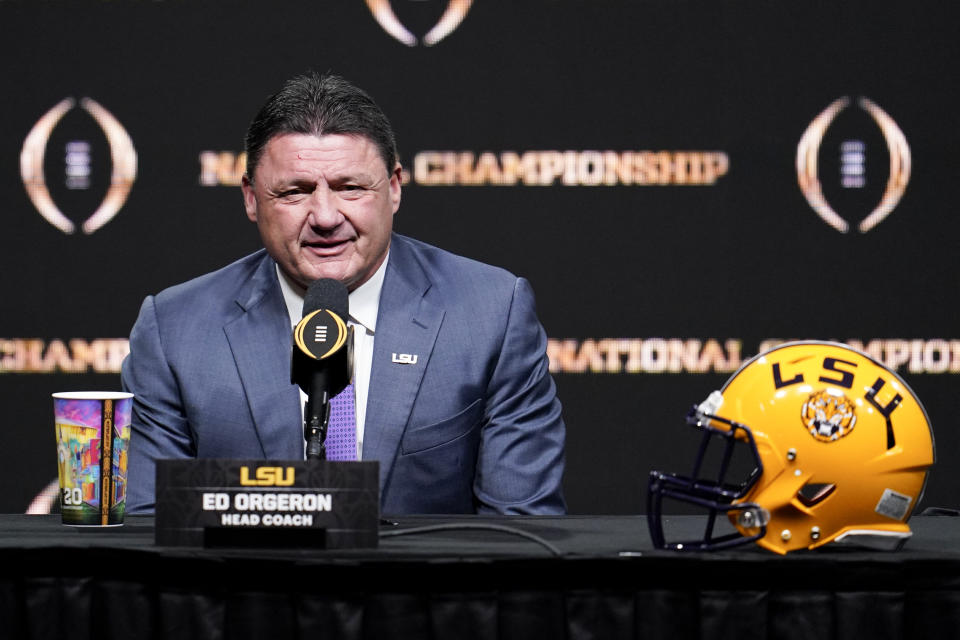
x=744 y=259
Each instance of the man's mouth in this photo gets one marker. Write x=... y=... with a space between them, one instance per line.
x=325 y=247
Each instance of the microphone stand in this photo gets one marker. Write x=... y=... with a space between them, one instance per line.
x=315 y=425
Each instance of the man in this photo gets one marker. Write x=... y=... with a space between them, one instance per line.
x=467 y=421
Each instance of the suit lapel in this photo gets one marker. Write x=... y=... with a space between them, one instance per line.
x=406 y=324
x=260 y=339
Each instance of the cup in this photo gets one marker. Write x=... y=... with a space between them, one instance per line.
x=93 y=439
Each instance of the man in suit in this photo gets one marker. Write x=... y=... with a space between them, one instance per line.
x=453 y=393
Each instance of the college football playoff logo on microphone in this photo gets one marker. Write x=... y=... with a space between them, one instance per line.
x=322 y=353
x=320 y=334
x=79 y=168
x=855 y=155
x=453 y=14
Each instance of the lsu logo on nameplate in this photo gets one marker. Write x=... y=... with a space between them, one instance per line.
x=853 y=164
x=402 y=19
x=267 y=477
x=64 y=160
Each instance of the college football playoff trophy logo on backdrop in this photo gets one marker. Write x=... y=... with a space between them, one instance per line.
x=78 y=167
x=453 y=15
x=852 y=165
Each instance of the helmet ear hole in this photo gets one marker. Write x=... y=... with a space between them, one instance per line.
x=814 y=493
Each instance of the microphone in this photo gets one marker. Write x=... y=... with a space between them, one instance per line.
x=322 y=357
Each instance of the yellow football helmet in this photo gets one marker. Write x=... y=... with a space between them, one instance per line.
x=839 y=447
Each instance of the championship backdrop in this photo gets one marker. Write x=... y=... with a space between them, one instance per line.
x=683 y=182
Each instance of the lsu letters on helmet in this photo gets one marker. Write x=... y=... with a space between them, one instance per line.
x=838 y=449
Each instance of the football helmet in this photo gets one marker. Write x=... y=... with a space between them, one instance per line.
x=837 y=449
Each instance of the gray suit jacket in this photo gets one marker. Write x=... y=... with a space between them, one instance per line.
x=473 y=426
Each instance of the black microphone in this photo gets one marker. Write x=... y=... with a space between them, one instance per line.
x=322 y=357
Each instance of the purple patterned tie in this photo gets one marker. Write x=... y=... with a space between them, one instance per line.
x=342 y=430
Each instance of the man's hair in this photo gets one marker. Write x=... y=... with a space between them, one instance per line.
x=320 y=105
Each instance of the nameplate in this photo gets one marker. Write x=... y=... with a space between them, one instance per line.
x=268 y=503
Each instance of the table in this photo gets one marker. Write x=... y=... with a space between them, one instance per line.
x=606 y=582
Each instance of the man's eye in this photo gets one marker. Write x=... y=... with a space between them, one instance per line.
x=352 y=190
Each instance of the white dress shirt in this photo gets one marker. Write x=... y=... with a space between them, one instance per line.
x=364 y=304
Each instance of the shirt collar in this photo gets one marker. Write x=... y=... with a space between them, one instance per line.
x=364 y=301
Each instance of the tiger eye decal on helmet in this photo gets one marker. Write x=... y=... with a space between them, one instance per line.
x=828 y=415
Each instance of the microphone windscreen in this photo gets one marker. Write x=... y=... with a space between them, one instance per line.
x=329 y=294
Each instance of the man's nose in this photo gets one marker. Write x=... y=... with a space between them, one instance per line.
x=324 y=212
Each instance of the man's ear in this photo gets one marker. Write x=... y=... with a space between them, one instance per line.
x=396 y=179
x=249 y=198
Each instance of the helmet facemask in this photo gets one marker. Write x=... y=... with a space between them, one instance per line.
x=726 y=468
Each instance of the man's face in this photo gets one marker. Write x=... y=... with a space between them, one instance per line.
x=324 y=206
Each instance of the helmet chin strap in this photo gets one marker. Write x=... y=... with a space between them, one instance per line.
x=753 y=517
x=712 y=404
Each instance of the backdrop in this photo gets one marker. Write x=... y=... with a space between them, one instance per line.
x=683 y=182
